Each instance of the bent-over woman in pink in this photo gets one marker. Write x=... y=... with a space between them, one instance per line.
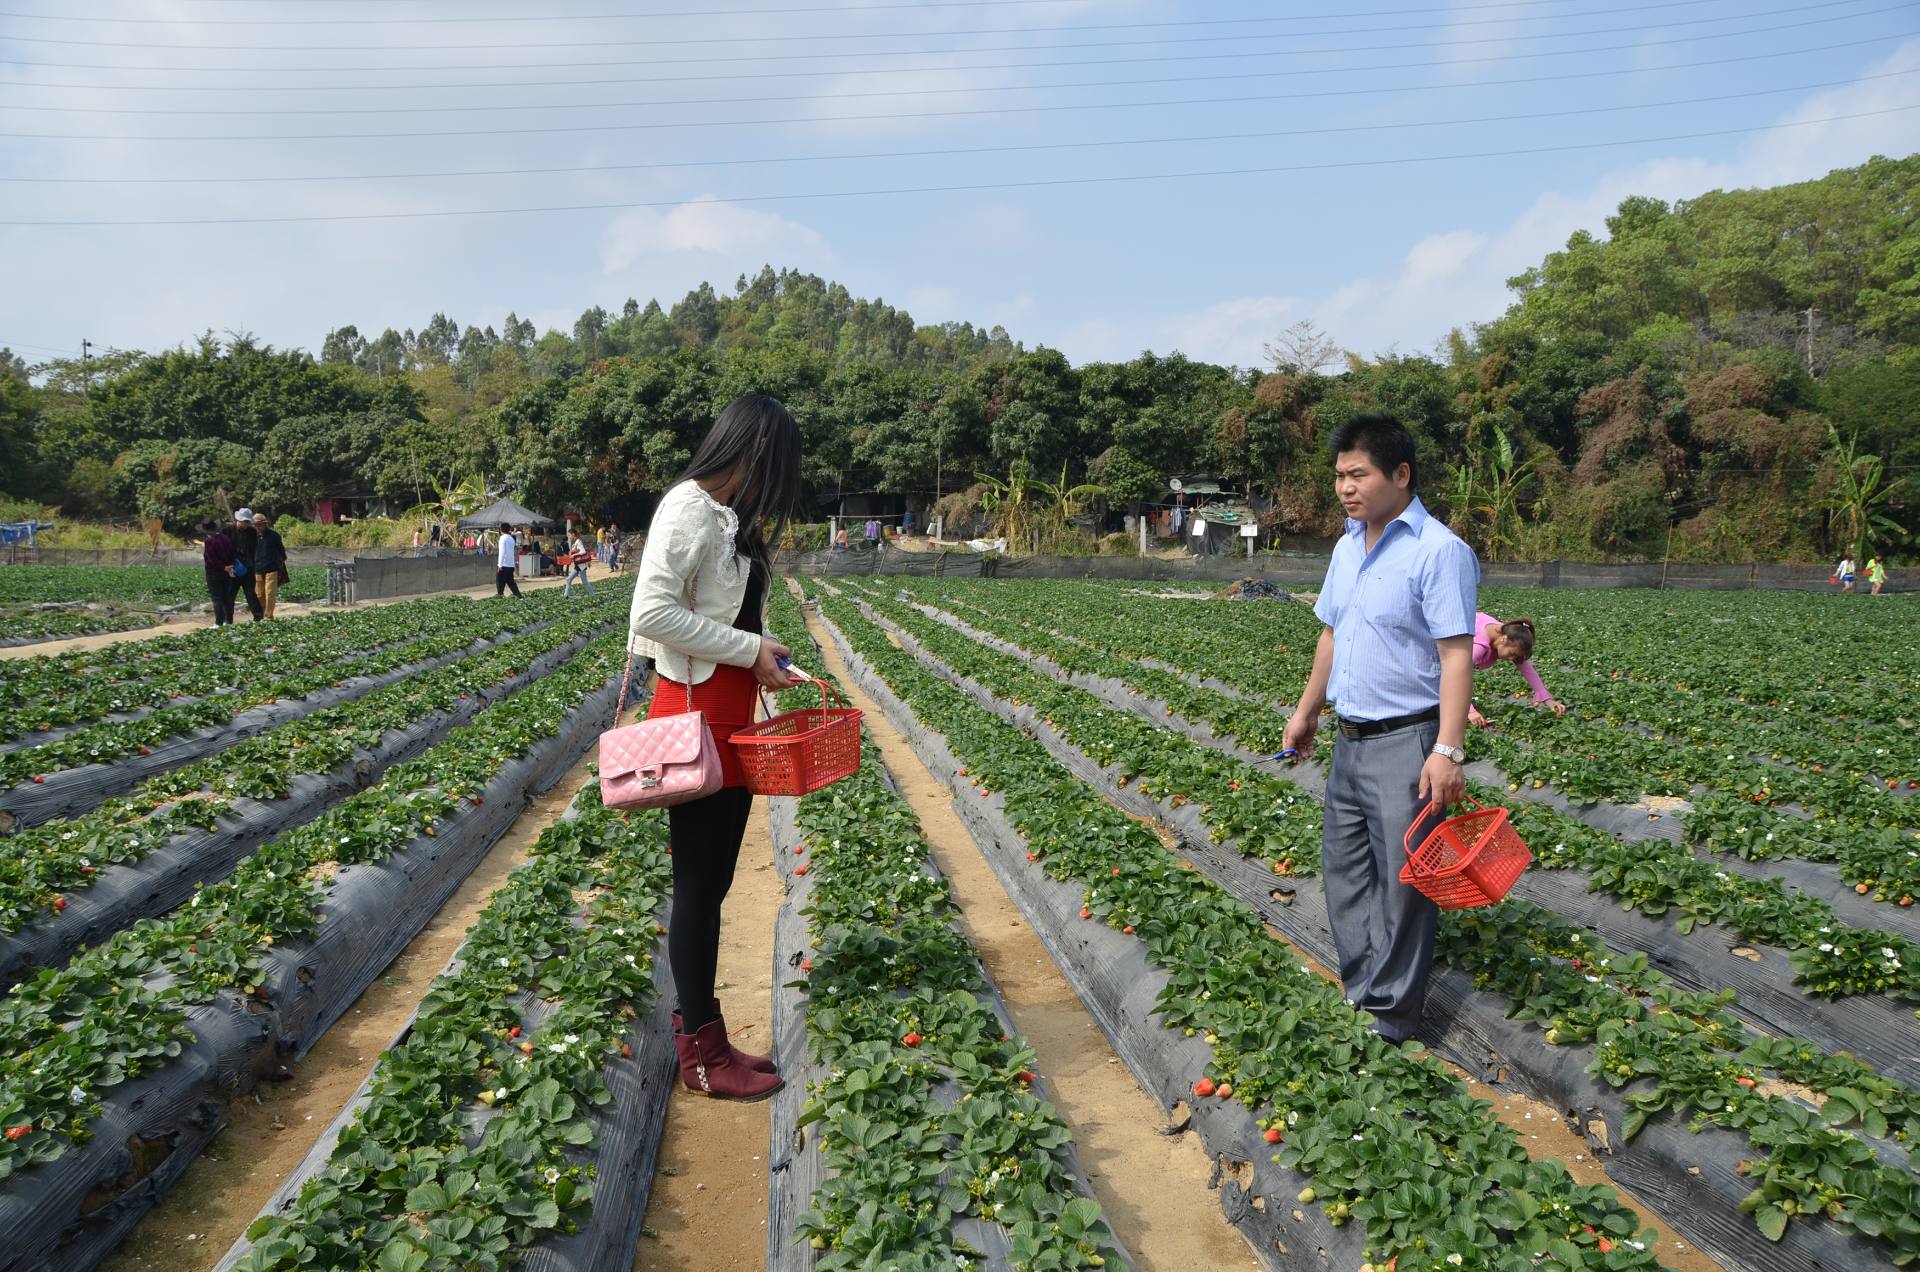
x=1495 y=641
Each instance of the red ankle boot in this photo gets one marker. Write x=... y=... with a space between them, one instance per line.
x=708 y=1065
x=759 y=1064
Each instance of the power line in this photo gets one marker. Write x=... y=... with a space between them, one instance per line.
x=905 y=70
x=731 y=58
x=992 y=110
x=955 y=152
x=856 y=8
x=691 y=13
x=963 y=188
x=876 y=35
x=21 y=344
x=1362 y=48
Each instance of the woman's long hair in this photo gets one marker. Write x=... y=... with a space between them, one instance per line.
x=757 y=435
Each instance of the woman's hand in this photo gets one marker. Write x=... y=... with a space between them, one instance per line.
x=1556 y=706
x=1474 y=717
x=767 y=669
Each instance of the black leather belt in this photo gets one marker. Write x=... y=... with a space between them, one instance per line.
x=1357 y=729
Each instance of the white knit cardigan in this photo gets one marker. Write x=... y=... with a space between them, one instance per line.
x=690 y=588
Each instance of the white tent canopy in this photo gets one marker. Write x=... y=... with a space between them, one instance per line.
x=502 y=515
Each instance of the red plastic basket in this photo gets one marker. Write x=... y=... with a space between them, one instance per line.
x=1467 y=860
x=797 y=752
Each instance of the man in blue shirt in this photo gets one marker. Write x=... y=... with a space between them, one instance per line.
x=1396 y=660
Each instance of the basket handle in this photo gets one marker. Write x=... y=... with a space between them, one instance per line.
x=1428 y=819
x=830 y=696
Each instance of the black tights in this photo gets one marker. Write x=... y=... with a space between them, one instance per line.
x=705 y=835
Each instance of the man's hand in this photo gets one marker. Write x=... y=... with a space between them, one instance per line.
x=1301 y=732
x=1442 y=781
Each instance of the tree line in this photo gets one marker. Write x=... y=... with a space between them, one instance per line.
x=1732 y=376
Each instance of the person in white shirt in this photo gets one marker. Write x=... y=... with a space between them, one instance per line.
x=1844 y=572
x=577 y=550
x=508 y=562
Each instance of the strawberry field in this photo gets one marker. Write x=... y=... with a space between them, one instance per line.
x=1707 y=984
x=52 y=602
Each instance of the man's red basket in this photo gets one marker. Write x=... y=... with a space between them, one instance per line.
x=1467 y=860
x=797 y=752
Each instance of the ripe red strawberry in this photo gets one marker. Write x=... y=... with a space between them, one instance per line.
x=1606 y=1246
x=626 y=1051
x=59 y=903
x=1116 y=872
x=1128 y=929
x=1026 y=1076
x=912 y=1039
x=38 y=778
x=1745 y=1082
x=800 y=869
x=20 y=1131
x=1204 y=1087
x=514 y=1032
x=88 y=870
x=1085 y=913
x=477 y=801
x=1273 y=1135
x=1033 y=856
x=146 y=750
x=806 y=965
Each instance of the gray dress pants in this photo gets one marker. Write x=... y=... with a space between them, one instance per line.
x=1382 y=929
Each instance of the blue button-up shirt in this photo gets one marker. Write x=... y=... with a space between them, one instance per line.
x=1388 y=607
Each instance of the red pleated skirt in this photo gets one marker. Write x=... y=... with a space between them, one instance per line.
x=727 y=697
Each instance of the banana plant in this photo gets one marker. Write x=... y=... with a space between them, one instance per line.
x=1856 y=506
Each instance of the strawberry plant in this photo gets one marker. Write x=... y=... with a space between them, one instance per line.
x=896 y=1008
x=406 y=1179
x=120 y=1009
x=1389 y=1137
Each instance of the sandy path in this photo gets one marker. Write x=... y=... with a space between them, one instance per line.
x=272 y=1130
x=709 y=1204
x=1152 y=1187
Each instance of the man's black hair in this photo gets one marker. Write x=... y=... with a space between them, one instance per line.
x=1384 y=439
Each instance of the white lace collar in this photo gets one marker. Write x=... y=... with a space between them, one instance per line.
x=730 y=569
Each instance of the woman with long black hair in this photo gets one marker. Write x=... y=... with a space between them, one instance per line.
x=698 y=606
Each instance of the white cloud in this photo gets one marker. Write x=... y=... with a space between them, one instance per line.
x=668 y=252
x=1232 y=331
x=1459 y=276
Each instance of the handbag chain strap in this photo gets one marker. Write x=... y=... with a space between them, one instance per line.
x=626 y=677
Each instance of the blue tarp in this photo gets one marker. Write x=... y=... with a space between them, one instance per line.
x=22 y=531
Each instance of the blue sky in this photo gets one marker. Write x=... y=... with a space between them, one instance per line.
x=1368 y=226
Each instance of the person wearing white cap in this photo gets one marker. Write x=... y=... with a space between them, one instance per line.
x=245 y=541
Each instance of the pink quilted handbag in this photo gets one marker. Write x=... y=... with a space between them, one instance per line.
x=660 y=762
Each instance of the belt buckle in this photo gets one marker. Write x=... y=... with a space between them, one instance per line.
x=1348 y=729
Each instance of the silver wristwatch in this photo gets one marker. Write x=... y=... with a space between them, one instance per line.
x=1458 y=754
